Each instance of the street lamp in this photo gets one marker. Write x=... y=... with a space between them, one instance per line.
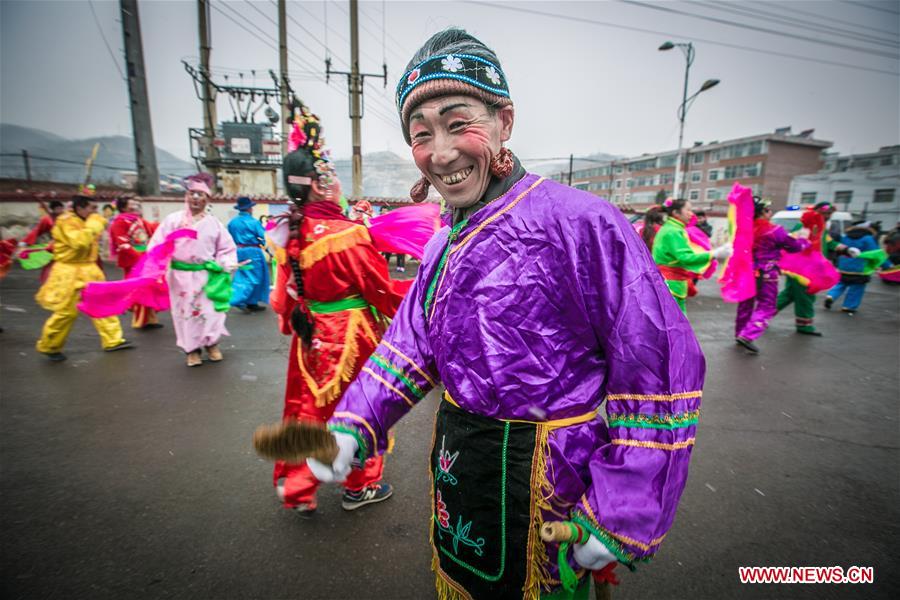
x=688 y=50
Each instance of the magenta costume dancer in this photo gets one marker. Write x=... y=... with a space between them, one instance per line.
x=539 y=303
x=769 y=241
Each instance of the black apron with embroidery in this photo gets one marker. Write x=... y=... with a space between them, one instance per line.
x=481 y=471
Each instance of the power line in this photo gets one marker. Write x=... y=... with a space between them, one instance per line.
x=400 y=51
x=587 y=21
x=106 y=43
x=267 y=36
x=377 y=111
x=806 y=13
x=761 y=29
x=229 y=17
x=869 y=6
x=290 y=18
x=79 y=164
x=790 y=22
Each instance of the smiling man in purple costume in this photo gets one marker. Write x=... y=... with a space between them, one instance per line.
x=539 y=302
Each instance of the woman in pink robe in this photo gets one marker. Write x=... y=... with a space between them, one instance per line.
x=199 y=322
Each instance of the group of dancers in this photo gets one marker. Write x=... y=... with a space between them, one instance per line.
x=681 y=251
x=199 y=279
x=535 y=307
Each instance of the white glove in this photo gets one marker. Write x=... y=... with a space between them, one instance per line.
x=722 y=252
x=340 y=468
x=592 y=554
x=803 y=232
x=232 y=267
x=853 y=252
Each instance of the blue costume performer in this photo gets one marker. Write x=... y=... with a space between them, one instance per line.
x=251 y=285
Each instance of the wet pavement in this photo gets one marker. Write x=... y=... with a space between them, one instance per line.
x=128 y=475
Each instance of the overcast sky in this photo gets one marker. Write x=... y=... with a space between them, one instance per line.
x=592 y=81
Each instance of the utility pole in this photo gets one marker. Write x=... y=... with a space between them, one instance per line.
x=144 y=150
x=571 y=160
x=208 y=95
x=355 y=81
x=355 y=89
x=283 y=66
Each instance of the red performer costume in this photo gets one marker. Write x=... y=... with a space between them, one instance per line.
x=128 y=237
x=43 y=229
x=346 y=294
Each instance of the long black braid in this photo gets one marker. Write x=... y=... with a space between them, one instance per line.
x=298 y=169
x=301 y=319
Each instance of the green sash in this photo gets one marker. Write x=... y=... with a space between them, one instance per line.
x=218 y=286
x=336 y=306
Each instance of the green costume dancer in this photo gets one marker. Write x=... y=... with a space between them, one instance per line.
x=794 y=291
x=678 y=260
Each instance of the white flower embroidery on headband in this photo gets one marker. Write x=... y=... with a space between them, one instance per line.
x=493 y=75
x=451 y=63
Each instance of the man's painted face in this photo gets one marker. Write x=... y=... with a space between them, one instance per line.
x=453 y=141
x=197 y=201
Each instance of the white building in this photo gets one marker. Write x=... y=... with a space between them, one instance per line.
x=867 y=185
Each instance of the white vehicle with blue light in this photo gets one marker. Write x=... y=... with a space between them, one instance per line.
x=789 y=218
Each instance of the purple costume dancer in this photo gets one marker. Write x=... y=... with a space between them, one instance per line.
x=754 y=314
x=538 y=304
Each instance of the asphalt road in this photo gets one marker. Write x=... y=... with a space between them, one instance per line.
x=128 y=475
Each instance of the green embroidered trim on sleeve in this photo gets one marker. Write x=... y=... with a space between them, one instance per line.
x=673 y=421
x=396 y=372
x=362 y=452
x=626 y=558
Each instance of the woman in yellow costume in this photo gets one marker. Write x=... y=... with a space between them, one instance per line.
x=76 y=236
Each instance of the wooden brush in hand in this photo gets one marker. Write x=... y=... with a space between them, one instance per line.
x=294 y=441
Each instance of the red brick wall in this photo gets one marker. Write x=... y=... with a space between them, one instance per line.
x=784 y=162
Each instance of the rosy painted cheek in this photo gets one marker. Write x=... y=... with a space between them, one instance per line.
x=421 y=156
x=473 y=138
x=474 y=143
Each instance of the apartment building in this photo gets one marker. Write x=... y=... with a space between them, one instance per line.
x=767 y=163
x=866 y=185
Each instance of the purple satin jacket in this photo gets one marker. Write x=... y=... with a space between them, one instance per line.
x=549 y=303
x=767 y=248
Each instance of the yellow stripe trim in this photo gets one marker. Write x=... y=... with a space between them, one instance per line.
x=653 y=445
x=333 y=242
x=553 y=424
x=388 y=385
x=622 y=538
x=495 y=216
x=655 y=397
x=361 y=421
x=390 y=347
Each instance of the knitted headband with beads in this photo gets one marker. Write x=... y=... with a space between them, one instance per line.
x=448 y=73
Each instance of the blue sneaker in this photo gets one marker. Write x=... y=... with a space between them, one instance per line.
x=377 y=492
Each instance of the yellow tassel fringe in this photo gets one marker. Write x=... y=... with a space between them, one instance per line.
x=331 y=390
x=334 y=242
x=541 y=491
